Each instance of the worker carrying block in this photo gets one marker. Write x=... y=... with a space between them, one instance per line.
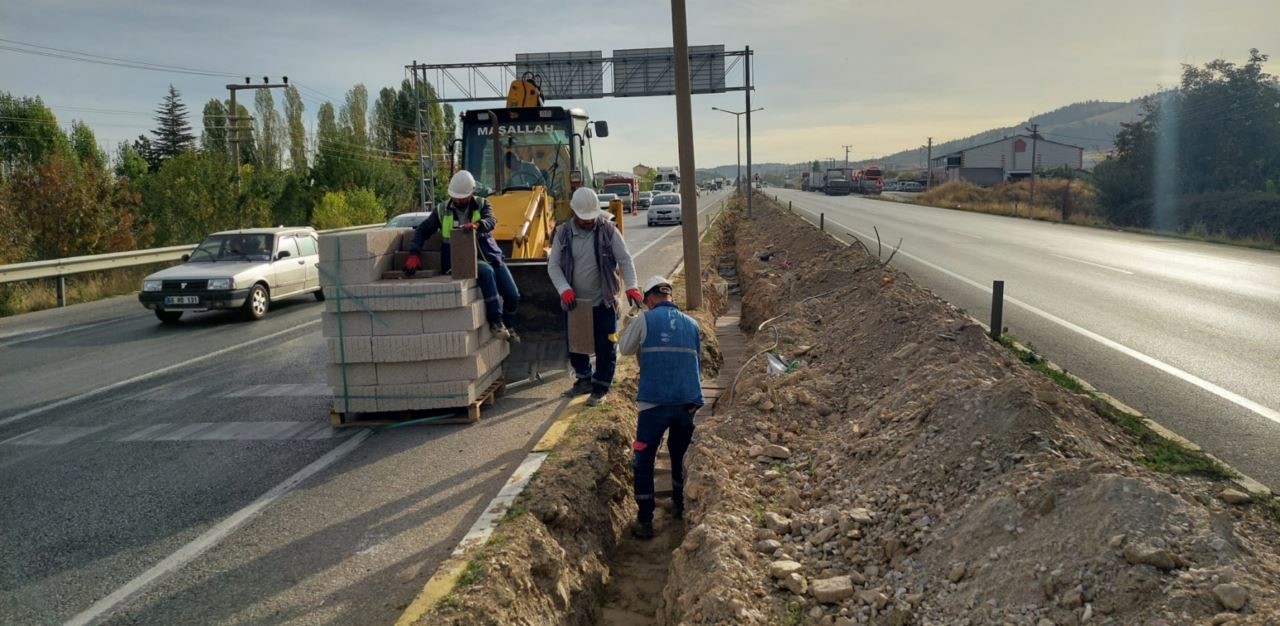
x=587 y=256
x=465 y=211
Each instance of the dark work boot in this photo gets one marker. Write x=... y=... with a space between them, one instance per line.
x=581 y=386
x=642 y=530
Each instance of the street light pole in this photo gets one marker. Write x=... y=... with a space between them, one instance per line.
x=738 y=115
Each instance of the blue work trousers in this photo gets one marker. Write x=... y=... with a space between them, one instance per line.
x=501 y=298
x=604 y=323
x=677 y=422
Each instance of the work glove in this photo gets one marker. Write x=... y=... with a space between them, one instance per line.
x=412 y=264
x=470 y=226
x=568 y=299
x=633 y=296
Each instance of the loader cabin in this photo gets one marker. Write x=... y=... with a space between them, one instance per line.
x=542 y=146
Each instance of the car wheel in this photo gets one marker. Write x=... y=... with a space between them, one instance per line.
x=320 y=295
x=168 y=317
x=256 y=305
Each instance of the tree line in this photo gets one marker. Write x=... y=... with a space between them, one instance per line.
x=1204 y=157
x=61 y=195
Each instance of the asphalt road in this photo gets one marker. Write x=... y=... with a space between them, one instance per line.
x=187 y=474
x=1187 y=332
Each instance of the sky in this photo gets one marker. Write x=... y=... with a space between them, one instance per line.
x=878 y=76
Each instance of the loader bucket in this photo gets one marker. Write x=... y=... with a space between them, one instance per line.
x=541 y=324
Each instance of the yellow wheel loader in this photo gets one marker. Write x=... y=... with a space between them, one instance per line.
x=527 y=159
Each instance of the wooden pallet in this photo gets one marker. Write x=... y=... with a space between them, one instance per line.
x=429 y=416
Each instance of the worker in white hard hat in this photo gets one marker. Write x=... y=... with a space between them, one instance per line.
x=589 y=261
x=465 y=210
x=669 y=350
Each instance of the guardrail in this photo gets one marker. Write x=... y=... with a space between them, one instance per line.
x=61 y=268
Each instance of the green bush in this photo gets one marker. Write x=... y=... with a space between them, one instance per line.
x=331 y=212
x=363 y=207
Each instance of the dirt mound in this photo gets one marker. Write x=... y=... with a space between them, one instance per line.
x=910 y=470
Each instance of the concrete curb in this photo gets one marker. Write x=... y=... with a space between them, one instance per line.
x=1242 y=480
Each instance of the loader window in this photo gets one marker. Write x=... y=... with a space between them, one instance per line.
x=533 y=154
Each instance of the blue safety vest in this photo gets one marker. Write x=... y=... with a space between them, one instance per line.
x=670 y=361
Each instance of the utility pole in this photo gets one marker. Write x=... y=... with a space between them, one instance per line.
x=746 y=71
x=1035 y=135
x=684 y=133
x=928 y=165
x=233 y=134
x=846 y=156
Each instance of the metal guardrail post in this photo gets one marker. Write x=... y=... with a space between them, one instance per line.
x=997 y=309
x=822 y=222
x=62 y=290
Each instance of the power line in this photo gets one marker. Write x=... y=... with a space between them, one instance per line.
x=101 y=60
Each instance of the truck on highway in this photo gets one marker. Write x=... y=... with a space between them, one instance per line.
x=626 y=187
x=815 y=181
x=836 y=182
x=869 y=180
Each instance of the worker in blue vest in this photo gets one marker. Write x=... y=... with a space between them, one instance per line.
x=464 y=210
x=668 y=346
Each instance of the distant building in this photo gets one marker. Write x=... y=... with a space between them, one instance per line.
x=641 y=170
x=1007 y=159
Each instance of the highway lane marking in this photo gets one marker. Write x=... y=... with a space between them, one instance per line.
x=1171 y=370
x=19 y=338
x=961 y=232
x=152 y=374
x=1105 y=267
x=675 y=230
x=213 y=536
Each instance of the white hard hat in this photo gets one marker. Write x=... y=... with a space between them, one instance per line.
x=656 y=282
x=462 y=185
x=586 y=204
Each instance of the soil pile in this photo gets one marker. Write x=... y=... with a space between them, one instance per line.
x=908 y=470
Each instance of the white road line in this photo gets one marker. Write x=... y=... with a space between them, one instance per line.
x=961 y=232
x=1180 y=374
x=1105 y=267
x=653 y=243
x=152 y=374
x=213 y=536
x=19 y=338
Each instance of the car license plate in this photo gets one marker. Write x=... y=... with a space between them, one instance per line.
x=182 y=300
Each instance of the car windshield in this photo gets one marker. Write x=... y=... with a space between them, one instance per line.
x=236 y=247
x=621 y=189
x=667 y=198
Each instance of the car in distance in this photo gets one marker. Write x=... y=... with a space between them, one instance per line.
x=240 y=269
x=665 y=209
x=646 y=197
x=408 y=220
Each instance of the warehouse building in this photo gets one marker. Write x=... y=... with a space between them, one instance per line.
x=1007 y=159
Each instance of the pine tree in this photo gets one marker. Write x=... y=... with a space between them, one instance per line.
x=173 y=135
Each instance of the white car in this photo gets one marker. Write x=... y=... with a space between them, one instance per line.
x=408 y=220
x=240 y=269
x=665 y=209
x=605 y=199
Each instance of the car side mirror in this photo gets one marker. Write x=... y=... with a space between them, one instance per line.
x=186 y=257
x=602 y=129
x=283 y=254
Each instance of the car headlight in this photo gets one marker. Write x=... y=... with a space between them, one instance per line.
x=151 y=285
x=219 y=283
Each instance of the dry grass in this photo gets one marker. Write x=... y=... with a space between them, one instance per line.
x=37 y=295
x=1013 y=199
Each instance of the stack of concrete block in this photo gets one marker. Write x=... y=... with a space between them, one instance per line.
x=400 y=344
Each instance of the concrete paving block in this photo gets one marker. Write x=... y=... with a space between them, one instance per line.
x=355 y=324
x=354 y=350
x=429 y=294
x=409 y=373
x=357 y=374
x=432 y=395
x=428 y=346
x=363 y=244
x=386 y=323
x=354 y=271
x=462 y=247
x=470 y=367
x=434 y=244
x=469 y=317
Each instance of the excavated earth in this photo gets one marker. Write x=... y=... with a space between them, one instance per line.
x=908 y=470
